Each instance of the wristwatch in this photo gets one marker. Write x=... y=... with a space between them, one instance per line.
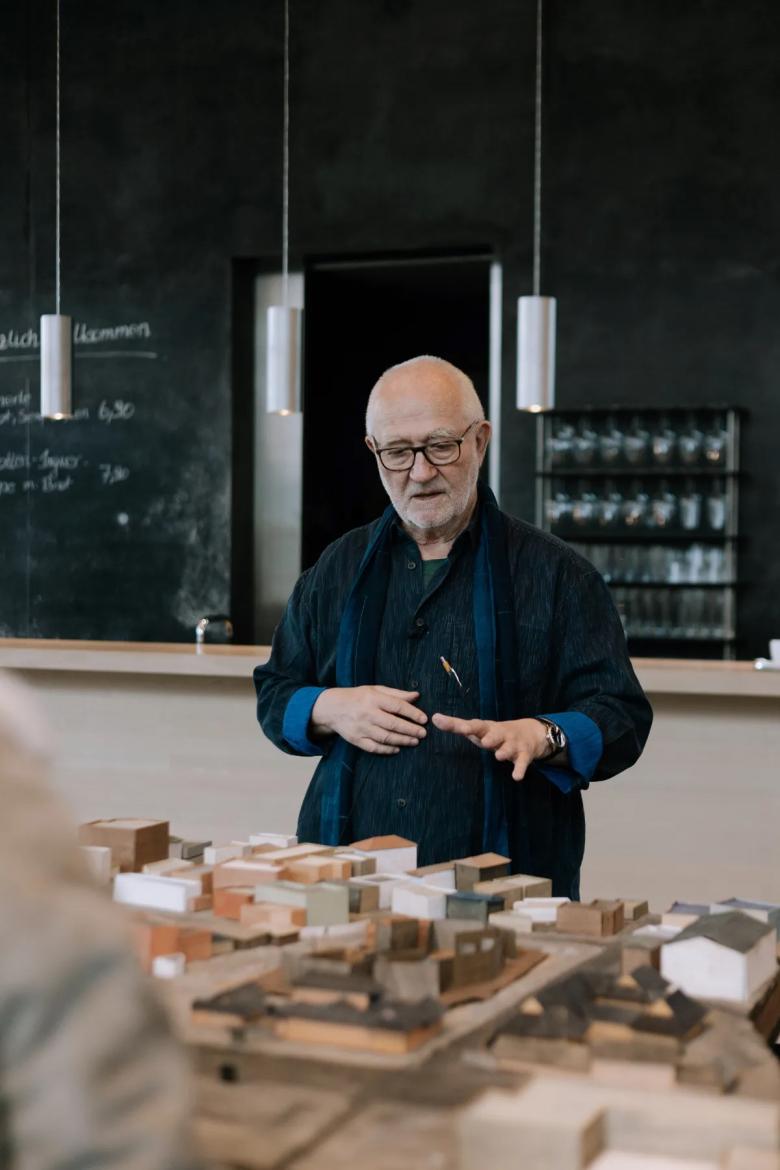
x=556 y=736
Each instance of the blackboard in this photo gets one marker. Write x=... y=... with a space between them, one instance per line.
x=114 y=524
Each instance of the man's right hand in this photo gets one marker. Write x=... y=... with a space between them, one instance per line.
x=377 y=719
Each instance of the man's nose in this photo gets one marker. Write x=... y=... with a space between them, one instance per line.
x=421 y=470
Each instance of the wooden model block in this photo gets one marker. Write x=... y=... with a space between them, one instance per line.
x=228 y=901
x=203 y=874
x=245 y=871
x=633 y=909
x=751 y=1158
x=630 y=1160
x=361 y=866
x=159 y=893
x=409 y=980
x=343 y=934
x=153 y=939
x=266 y=914
x=639 y=954
x=201 y=902
x=216 y=854
x=168 y=866
x=295 y=852
x=133 y=841
x=478 y=957
x=596 y=919
x=386 y=883
x=442 y=875
x=392 y=854
x=326 y=904
x=468 y=904
x=542 y=911
x=419 y=901
x=169 y=966
x=538 y=1128
x=389 y=932
x=195 y=944
x=309 y=870
x=363 y=896
x=98 y=862
x=513 y=888
x=482 y=868
x=512 y=920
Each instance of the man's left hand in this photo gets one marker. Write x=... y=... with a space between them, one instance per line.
x=520 y=740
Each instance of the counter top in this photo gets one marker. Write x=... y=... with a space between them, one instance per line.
x=683 y=676
x=183 y=658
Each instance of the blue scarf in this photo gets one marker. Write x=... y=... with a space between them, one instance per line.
x=494 y=630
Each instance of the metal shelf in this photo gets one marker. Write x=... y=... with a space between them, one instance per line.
x=600 y=472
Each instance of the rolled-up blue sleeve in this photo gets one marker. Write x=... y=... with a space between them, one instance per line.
x=585 y=745
x=295 y=725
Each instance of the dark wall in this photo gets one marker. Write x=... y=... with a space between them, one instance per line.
x=411 y=130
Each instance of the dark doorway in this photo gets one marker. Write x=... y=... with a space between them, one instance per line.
x=363 y=315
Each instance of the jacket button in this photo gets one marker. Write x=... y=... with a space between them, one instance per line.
x=414 y=684
x=401 y=803
x=411 y=564
x=419 y=622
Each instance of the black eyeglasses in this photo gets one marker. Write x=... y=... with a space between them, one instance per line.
x=438 y=452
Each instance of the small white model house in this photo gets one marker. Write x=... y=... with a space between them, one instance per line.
x=721 y=956
x=417 y=900
x=392 y=854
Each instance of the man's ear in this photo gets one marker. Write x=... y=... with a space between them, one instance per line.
x=484 y=432
x=370 y=444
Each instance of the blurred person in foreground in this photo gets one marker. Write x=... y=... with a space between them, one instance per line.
x=90 y=1075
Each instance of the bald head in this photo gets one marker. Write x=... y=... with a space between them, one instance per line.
x=417 y=386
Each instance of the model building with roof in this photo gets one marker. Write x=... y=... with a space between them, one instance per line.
x=721 y=956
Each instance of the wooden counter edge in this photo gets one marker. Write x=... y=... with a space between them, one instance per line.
x=658 y=676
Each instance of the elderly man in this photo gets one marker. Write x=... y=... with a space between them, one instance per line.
x=463 y=674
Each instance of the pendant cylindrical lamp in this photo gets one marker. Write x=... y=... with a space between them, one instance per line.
x=535 y=353
x=56 y=344
x=283 y=361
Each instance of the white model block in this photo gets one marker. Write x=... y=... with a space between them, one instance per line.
x=539 y=910
x=625 y=1160
x=157 y=893
x=512 y=920
x=280 y=840
x=702 y=967
x=386 y=883
x=392 y=854
x=169 y=966
x=418 y=901
x=441 y=877
x=537 y=1129
x=214 y=854
x=98 y=859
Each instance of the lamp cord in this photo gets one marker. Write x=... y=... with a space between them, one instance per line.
x=286 y=158
x=58 y=242
x=538 y=154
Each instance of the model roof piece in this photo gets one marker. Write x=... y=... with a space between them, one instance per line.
x=721 y=956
